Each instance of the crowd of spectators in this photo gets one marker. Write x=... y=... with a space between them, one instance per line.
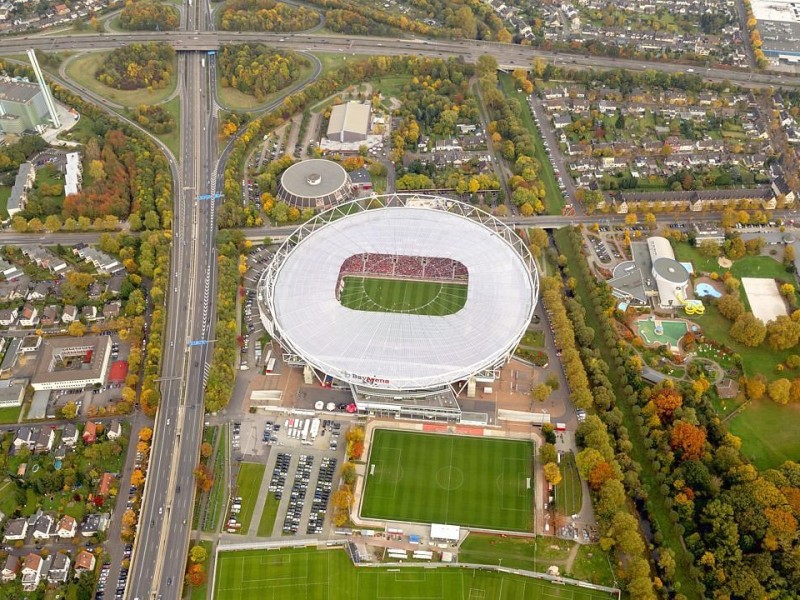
x=404 y=267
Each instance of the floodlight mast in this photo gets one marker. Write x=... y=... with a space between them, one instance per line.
x=48 y=97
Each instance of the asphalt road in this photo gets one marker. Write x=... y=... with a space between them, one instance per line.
x=508 y=55
x=165 y=521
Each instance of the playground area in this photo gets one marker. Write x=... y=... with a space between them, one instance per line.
x=661 y=331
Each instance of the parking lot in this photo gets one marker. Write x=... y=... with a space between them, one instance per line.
x=301 y=467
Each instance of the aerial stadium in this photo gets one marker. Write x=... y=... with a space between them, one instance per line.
x=406 y=299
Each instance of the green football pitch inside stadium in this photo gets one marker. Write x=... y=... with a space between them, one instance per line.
x=430 y=478
x=310 y=574
x=402 y=296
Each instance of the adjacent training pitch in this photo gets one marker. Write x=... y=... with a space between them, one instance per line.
x=309 y=574
x=430 y=478
x=433 y=298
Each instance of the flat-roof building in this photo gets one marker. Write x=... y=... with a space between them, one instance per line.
x=72 y=363
x=349 y=122
x=19 y=193
x=73 y=174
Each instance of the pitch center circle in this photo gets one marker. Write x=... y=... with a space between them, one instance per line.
x=450 y=478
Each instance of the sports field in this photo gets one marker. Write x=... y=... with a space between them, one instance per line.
x=433 y=298
x=468 y=481
x=309 y=574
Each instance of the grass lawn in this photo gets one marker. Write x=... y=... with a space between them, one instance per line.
x=83 y=68
x=247 y=485
x=214 y=505
x=267 y=522
x=768 y=432
x=332 y=60
x=10 y=414
x=329 y=575
x=201 y=591
x=685 y=252
x=532 y=554
x=172 y=139
x=8 y=499
x=390 y=86
x=449 y=479
x=754 y=360
x=592 y=565
x=554 y=201
x=400 y=296
x=81 y=132
x=5 y=192
x=569 y=493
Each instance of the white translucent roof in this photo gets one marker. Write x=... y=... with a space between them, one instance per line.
x=394 y=350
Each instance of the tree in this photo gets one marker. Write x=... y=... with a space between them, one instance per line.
x=541 y=392
x=709 y=248
x=755 y=387
x=787 y=289
x=145 y=434
x=748 y=330
x=783 y=333
x=349 y=473
x=689 y=439
x=548 y=454
x=198 y=554
x=76 y=329
x=788 y=255
x=342 y=498
x=552 y=473
x=730 y=307
x=779 y=390
x=205 y=449
x=667 y=401
x=631 y=219
x=137 y=478
x=129 y=518
x=196 y=575
x=650 y=220
x=70 y=410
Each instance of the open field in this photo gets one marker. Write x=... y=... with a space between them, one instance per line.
x=311 y=574
x=466 y=481
x=10 y=414
x=83 y=68
x=402 y=296
x=569 y=492
x=768 y=432
x=247 y=485
x=267 y=522
x=5 y=192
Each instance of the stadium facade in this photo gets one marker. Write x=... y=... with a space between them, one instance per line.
x=401 y=363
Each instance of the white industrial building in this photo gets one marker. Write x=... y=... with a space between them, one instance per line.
x=72 y=175
x=349 y=122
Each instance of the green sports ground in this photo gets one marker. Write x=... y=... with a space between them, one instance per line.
x=402 y=296
x=310 y=574
x=434 y=478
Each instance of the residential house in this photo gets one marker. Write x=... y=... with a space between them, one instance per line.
x=44 y=526
x=29 y=317
x=45 y=259
x=16 y=529
x=95 y=291
x=114 y=286
x=70 y=434
x=44 y=441
x=10 y=568
x=8 y=316
x=67 y=527
x=39 y=291
x=31 y=572
x=89 y=313
x=111 y=310
x=49 y=316
x=106 y=482
x=85 y=561
x=70 y=314
x=89 y=432
x=24 y=437
x=59 y=568
x=114 y=430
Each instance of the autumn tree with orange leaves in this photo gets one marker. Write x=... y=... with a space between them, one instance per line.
x=667 y=401
x=689 y=439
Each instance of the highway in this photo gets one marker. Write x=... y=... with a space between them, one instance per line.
x=507 y=55
x=161 y=548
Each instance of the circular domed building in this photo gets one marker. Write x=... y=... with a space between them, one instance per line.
x=671 y=277
x=315 y=183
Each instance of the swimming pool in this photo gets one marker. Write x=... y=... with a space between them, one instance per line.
x=704 y=289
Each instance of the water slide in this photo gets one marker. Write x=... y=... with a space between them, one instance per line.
x=691 y=307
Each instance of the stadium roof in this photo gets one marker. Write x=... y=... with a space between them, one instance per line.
x=394 y=350
x=313 y=178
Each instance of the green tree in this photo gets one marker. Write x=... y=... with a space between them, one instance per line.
x=197 y=554
x=748 y=330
